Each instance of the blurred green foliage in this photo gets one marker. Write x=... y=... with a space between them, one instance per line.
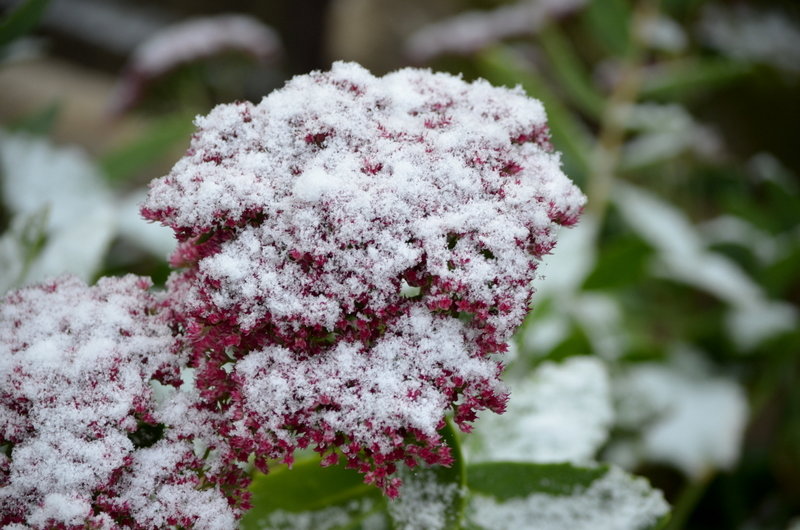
x=710 y=133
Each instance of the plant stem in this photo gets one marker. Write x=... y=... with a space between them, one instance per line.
x=687 y=501
x=610 y=140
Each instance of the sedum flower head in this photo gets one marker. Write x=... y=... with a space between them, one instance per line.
x=354 y=251
x=84 y=441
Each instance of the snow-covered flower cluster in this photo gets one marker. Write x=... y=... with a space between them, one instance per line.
x=353 y=254
x=355 y=250
x=84 y=441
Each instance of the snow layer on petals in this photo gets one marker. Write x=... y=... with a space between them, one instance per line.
x=78 y=415
x=354 y=251
x=394 y=385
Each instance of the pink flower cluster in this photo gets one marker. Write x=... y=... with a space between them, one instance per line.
x=355 y=251
x=353 y=254
x=85 y=441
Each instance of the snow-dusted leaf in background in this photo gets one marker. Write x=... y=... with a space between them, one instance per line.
x=748 y=34
x=689 y=418
x=601 y=318
x=666 y=131
x=193 y=40
x=426 y=503
x=564 y=272
x=471 y=31
x=561 y=497
x=20 y=245
x=82 y=213
x=735 y=230
x=754 y=323
x=662 y=32
x=310 y=497
x=682 y=256
x=150 y=236
x=562 y=413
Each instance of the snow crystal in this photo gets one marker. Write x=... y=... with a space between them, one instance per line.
x=612 y=502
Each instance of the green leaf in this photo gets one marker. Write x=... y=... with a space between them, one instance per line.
x=501 y=65
x=561 y=496
x=780 y=279
x=509 y=480
x=575 y=343
x=307 y=488
x=40 y=122
x=622 y=262
x=609 y=21
x=22 y=20
x=158 y=140
x=34 y=234
x=310 y=496
x=570 y=72
x=684 y=78
x=432 y=497
x=21 y=245
x=456 y=473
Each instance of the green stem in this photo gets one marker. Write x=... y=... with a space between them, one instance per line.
x=608 y=149
x=687 y=501
x=569 y=71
